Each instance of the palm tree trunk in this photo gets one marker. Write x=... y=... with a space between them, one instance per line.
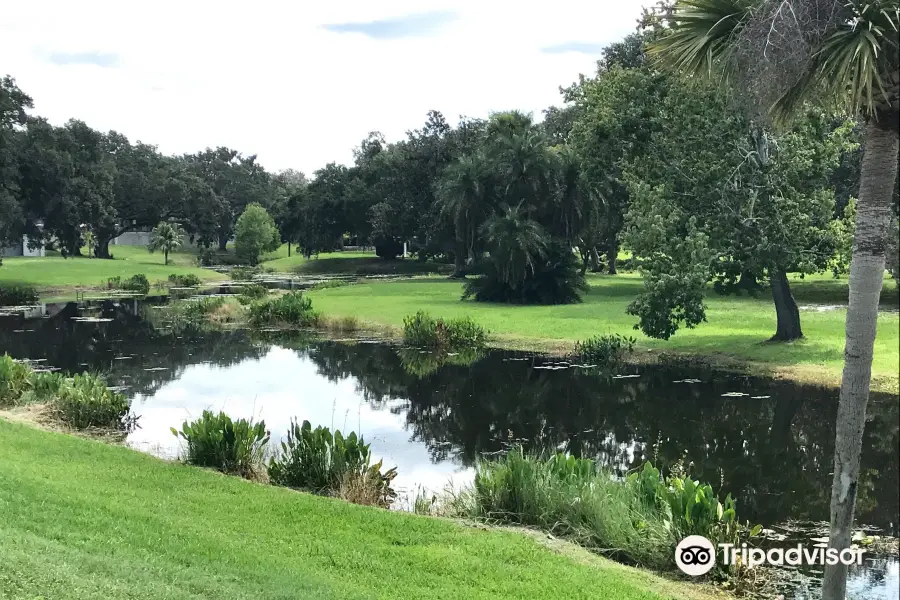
x=879 y=171
x=166 y=256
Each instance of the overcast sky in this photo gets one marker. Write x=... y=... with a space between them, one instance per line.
x=298 y=83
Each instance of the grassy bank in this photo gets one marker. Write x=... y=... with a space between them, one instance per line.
x=735 y=336
x=54 y=275
x=85 y=520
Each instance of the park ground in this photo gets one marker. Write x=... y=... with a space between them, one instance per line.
x=735 y=336
x=83 y=520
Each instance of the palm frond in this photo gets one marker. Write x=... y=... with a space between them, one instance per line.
x=700 y=40
x=855 y=68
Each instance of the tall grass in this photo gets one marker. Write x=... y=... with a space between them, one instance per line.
x=423 y=331
x=605 y=350
x=218 y=442
x=637 y=520
x=292 y=308
x=85 y=401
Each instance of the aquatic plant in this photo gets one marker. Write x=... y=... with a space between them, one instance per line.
x=15 y=380
x=251 y=292
x=243 y=273
x=17 y=294
x=197 y=309
x=188 y=280
x=85 y=401
x=639 y=520
x=369 y=487
x=604 y=350
x=323 y=462
x=693 y=508
x=218 y=442
x=423 y=331
x=45 y=387
x=292 y=308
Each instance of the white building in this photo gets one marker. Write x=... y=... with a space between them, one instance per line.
x=22 y=249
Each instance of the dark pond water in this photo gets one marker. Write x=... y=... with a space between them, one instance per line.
x=769 y=443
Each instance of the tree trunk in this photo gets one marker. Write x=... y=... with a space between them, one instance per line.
x=223 y=243
x=612 y=254
x=166 y=257
x=289 y=249
x=595 y=261
x=585 y=253
x=786 y=311
x=873 y=212
x=101 y=248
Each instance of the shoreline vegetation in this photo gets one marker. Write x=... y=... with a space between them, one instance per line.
x=323 y=464
x=73 y=501
x=735 y=338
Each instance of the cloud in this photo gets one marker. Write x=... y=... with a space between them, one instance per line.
x=578 y=47
x=99 y=59
x=278 y=82
x=401 y=27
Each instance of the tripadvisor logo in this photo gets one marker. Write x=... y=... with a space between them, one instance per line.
x=695 y=555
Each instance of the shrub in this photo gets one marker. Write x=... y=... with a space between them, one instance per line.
x=243 y=273
x=189 y=280
x=86 y=401
x=114 y=283
x=137 y=283
x=319 y=461
x=218 y=442
x=605 y=350
x=292 y=308
x=251 y=292
x=16 y=294
x=555 y=279
x=16 y=378
x=421 y=330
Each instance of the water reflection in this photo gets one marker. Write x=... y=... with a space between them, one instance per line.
x=769 y=443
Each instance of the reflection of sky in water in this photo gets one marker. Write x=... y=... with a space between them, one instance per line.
x=276 y=388
x=875 y=579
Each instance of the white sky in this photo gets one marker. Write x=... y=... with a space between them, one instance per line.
x=267 y=78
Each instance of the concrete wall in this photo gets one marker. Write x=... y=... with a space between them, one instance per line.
x=132 y=238
x=22 y=249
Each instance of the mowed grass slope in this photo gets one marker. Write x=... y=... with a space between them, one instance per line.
x=54 y=273
x=83 y=520
x=737 y=329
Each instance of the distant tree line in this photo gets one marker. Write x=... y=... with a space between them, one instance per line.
x=638 y=159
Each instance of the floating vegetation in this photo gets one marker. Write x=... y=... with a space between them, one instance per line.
x=687 y=381
x=734 y=395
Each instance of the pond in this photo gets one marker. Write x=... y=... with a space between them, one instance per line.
x=769 y=443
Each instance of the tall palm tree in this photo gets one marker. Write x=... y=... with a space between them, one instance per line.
x=843 y=54
x=516 y=244
x=462 y=193
x=166 y=237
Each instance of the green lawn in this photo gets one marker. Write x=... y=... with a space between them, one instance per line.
x=736 y=331
x=55 y=274
x=83 y=520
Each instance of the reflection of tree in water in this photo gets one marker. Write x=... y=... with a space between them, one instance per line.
x=775 y=454
x=95 y=346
